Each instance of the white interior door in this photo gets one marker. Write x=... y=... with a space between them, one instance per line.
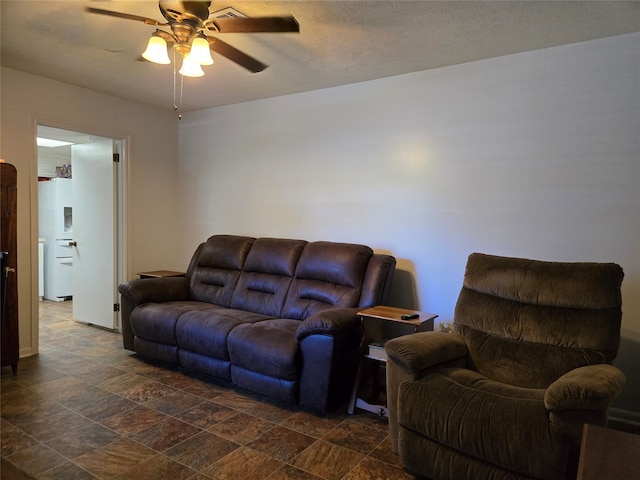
x=94 y=233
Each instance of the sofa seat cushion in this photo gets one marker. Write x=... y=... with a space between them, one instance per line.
x=268 y=347
x=206 y=331
x=506 y=420
x=157 y=321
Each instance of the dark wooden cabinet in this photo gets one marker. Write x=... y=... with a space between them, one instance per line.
x=9 y=272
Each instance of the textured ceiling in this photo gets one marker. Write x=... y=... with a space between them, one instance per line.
x=340 y=42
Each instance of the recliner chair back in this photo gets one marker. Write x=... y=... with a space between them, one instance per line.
x=527 y=322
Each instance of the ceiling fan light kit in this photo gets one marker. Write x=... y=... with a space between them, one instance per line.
x=188 y=20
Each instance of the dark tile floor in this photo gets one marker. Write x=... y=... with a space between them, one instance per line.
x=85 y=408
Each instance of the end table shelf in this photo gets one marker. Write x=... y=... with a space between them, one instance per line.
x=379 y=324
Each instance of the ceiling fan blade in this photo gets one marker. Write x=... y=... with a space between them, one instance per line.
x=128 y=16
x=236 y=55
x=254 y=25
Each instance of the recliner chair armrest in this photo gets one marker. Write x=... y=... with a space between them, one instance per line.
x=426 y=349
x=592 y=387
x=410 y=357
x=329 y=322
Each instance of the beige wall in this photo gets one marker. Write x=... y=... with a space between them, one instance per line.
x=533 y=155
x=151 y=171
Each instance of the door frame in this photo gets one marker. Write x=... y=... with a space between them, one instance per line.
x=122 y=145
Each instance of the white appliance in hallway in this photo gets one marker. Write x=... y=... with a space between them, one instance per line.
x=55 y=224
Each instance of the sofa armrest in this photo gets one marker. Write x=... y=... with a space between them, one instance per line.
x=147 y=290
x=426 y=349
x=329 y=322
x=329 y=342
x=592 y=387
x=155 y=290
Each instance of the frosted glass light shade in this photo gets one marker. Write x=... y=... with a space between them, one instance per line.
x=156 y=51
x=191 y=68
x=200 y=52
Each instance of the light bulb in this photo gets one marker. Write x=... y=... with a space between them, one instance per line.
x=200 y=52
x=156 y=51
x=191 y=68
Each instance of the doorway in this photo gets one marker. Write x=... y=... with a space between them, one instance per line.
x=80 y=222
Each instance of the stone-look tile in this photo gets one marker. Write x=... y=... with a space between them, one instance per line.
x=122 y=382
x=327 y=460
x=142 y=367
x=372 y=420
x=271 y=411
x=174 y=378
x=384 y=452
x=146 y=391
x=243 y=463
x=13 y=440
x=21 y=413
x=114 y=459
x=355 y=436
x=105 y=408
x=372 y=469
x=36 y=459
x=236 y=400
x=206 y=390
x=11 y=472
x=78 y=442
x=201 y=450
x=158 y=468
x=310 y=424
x=80 y=394
x=281 y=443
x=166 y=434
x=60 y=385
x=32 y=376
x=206 y=414
x=96 y=374
x=19 y=400
x=161 y=372
x=175 y=402
x=287 y=472
x=66 y=471
x=134 y=421
x=241 y=428
x=45 y=427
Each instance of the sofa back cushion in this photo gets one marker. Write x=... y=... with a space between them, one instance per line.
x=527 y=322
x=268 y=271
x=328 y=275
x=216 y=270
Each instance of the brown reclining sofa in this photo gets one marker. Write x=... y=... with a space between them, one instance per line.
x=274 y=316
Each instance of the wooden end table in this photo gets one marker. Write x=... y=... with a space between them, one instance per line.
x=380 y=324
x=608 y=454
x=160 y=274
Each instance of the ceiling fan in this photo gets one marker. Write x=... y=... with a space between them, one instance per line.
x=188 y=22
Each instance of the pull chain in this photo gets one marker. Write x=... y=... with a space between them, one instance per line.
x=181 y=89
x=177 y=107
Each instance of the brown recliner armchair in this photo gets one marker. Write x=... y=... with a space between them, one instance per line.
x=506 y=394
